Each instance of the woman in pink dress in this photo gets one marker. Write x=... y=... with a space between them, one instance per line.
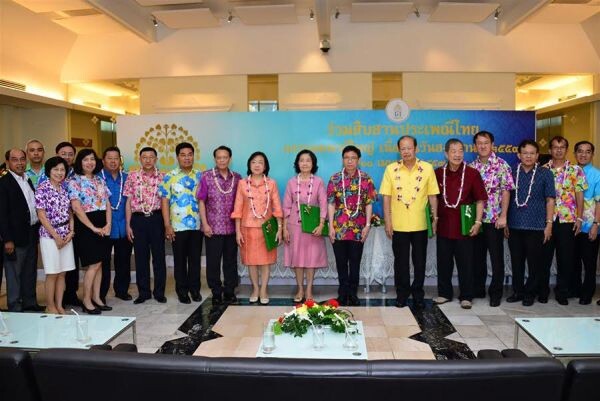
x=304 y=251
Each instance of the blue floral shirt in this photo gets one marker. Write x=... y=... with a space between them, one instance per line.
x=180 y=189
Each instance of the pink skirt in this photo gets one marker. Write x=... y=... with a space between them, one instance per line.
x=305 y=250
x=254 y=250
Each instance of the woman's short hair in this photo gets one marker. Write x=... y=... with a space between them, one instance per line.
x=82 y=154
x=351 y=148
x=252 y=156
x=53 y=162
x=313 y=157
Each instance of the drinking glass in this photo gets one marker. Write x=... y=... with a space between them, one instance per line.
x=318 y=337
x=351 y=340
x=268 y=344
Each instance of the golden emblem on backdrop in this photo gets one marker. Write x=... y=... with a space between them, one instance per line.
x=164 y=138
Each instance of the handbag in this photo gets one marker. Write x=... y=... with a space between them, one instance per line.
x=269 y=229
x=310 y=217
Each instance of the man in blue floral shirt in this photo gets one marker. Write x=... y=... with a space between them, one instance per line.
x=181 y=215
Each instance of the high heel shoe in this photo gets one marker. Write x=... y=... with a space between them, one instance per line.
x=264 y=301
x=299 y=299
x=253 y=300
x=103 y=308
x=94 y=311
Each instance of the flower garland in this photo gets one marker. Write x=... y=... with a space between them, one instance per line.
x=462 y=184
x=267 y=192
x=310 y=313
x=219 y=187
x=563 y=174
x=419 y=179
x=344 y=193
x=524 y=204
x=310 y=191
x=141 y=196
x=120 y=189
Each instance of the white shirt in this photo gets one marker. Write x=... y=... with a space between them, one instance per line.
x=29 y=196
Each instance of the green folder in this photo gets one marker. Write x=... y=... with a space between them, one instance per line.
x=310 y=217
x=428 y=219
x=467 y=218
x=269 y=229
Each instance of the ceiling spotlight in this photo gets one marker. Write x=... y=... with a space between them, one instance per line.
x=229 y=18
x=497 y=14
x=337 y=13
x=417 y=13
x=154 y=21
x=311 y=15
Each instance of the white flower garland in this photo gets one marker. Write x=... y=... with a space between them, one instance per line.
x=141 y=183
x=344 y=193
x=530 y=186
x=267 y=192
x=462 y=184
x=219 y=187
x=120 y=189
x=310 y=191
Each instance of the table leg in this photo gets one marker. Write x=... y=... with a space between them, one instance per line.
x=516 y=339
x=134 y=334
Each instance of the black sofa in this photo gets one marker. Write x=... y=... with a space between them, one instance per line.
x=95 y=375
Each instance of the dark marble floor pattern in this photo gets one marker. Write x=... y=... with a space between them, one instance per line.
x=434 y=325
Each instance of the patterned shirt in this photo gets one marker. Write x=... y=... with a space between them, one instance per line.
x=57 y=206
x=36 y=178
x=180 y=189
x=117 y=203
x=349 y=227
x=567 y=180
x=218 y=195
x=92 y=193
x=532 y=215
x=590 y=197
x=496 y=178
x=142 y=190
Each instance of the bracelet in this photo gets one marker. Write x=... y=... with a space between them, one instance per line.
x=477 y=222
x=548 y=221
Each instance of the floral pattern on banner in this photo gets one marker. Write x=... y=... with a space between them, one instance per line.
x=346 y=227
x=92 y=193
x=567 y=181
x=497 y=177
x=180 y=189
x=141 y=188
x=57 y=206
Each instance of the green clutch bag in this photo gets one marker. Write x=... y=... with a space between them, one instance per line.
x=310 y=217
x=467 y=218
x=428 y=219
x=269 y=229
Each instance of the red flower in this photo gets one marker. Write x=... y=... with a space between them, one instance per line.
x=333 y=303
x=280 y=320
x=310 y=303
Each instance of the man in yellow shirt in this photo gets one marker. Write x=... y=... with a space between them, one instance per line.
x=406 y=187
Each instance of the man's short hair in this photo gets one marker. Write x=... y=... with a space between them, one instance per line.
x=453 y=141
x=529 y=142
x=63 y=145
x=148 y=149
x=488 y=134
x=407 y=137
x=222 y=147
x=34 y=141
x=578 y=144
x=558 y=139
x=7 y=154
x=183 y=145
x=111 y=149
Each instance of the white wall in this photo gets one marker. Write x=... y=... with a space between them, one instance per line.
x=18 y=125
x=356 y=47
x=325 y=91
x=476 y=91
x=166 y=95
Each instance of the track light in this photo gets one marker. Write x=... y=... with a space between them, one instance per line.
x=497 y=14
x=337 y=13
x=311 y=15
x=154 y=21
x=229 y=18
x=417 y=13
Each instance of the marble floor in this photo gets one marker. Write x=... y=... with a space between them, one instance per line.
x=164 y=327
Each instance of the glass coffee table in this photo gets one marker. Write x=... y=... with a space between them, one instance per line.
x=562 y=337
x=35 y=331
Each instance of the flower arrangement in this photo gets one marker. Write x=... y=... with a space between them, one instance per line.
x=310 y=313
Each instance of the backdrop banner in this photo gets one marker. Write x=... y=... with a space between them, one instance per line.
x=282 y=134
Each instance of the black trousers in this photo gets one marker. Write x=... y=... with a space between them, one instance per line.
x=1 y=262
x=563 y=242
x=586 y=255
x=21 y=273
x=149 y=237
x=526 y=246
x=348 y=255
x=490 y=239
x=449 y=251
x=122 y=261
x=401 y=245
x=187 y=250
x=72 y=281
x=221 y=247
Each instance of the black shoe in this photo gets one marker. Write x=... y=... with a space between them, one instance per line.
x=343 y=300
x=562 y=301
x=161 y=299
x=184 y=299
x=353 y=300
x=196 y=296
x=514 y=298
x=103 y=308
x=94 y=311
x=598 y=302
x=230 y=299
x=400 y=302
x=140 y=300
x=124 y=297
x=217 y=299
x=527 y=301
x=418 y=303
x=494 y=303
x=543 y=300
x=585 y=301
x=34 y=308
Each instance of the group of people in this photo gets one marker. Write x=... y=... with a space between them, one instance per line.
x=80 y=208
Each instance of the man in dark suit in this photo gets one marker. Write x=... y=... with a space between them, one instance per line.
x=19 y=226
